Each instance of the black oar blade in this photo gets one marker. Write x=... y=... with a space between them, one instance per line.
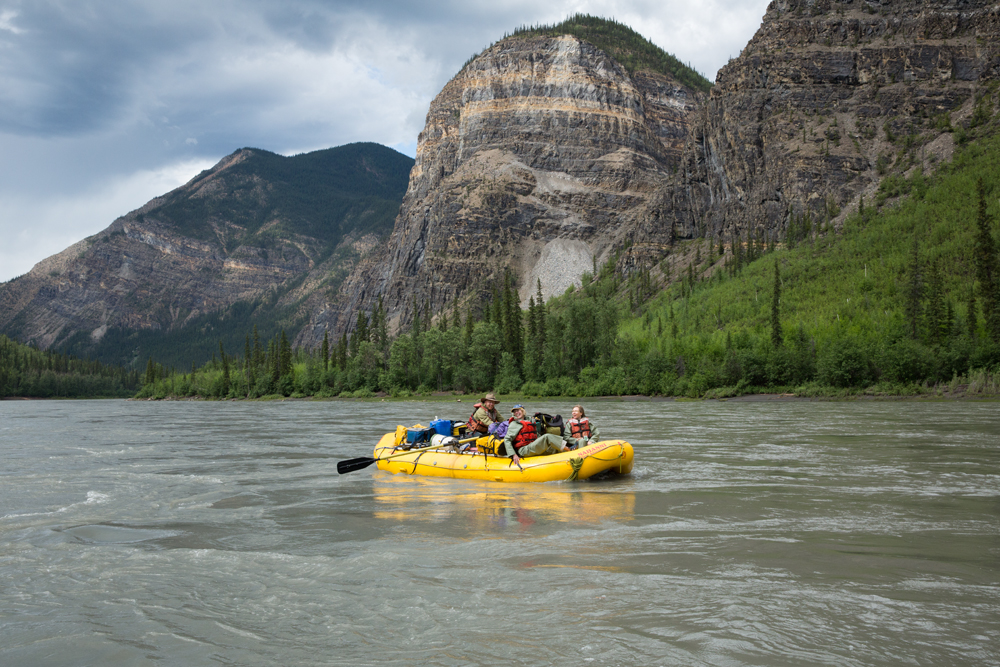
x=350 y=465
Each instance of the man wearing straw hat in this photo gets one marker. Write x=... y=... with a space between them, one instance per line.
x=486 y=414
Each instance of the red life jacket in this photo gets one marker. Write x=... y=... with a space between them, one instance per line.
x=579 y=428
x=478 y=426
x=526 y=435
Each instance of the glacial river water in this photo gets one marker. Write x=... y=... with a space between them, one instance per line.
x=750 y=533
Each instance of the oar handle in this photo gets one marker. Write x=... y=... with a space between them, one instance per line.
x=350 y=465
x=424 y=449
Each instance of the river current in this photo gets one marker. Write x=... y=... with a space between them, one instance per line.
x=749 y=533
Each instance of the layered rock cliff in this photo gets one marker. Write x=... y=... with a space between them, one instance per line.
x=827 y=98
x=544 y=153
x=536 y=157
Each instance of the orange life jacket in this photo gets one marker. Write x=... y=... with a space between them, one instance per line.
x=478 y=426
x=579 y=428
x=526 y=435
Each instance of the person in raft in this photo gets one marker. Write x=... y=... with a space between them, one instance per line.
x=580 y=430
x=523 y=440
x=485 y=415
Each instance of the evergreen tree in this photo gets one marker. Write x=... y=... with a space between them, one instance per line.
x=225 y=371
x=380 y=331
x=469 y=324
x=531 y=357
x=498 y=310
x=342 y=352
x=325 y=350
x=285 y=356
x=360 y=334
x=914 y=294
x=738 y=255
x=971 y=315
x=248 y=369
x=776 y=337
x=936 y=312
x=150 y=378
x=456 y=320
x=987 y=267
x=258 y=351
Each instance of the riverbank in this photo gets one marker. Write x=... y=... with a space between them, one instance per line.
x=982 y=386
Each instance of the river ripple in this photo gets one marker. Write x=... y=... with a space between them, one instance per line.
x=750 y=533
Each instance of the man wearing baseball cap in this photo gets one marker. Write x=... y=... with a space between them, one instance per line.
x=523 y=439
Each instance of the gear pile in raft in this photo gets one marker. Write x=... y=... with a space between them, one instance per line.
x=477 y=450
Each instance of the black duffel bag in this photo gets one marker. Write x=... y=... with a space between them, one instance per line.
x=548 y=424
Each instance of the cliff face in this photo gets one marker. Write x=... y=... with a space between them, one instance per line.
x=825 y=99
x=543 y=153
x=256 y=226
x=535 y=157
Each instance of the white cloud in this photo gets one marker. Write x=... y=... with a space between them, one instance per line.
x=37 y=228
x=7 y=17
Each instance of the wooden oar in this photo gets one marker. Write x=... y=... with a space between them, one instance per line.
x=350 y=465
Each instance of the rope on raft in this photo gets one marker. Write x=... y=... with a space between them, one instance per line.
x=576 y=463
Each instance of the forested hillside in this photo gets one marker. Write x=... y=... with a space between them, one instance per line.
x=27 y=372
x=250 y=241
x=904 y=299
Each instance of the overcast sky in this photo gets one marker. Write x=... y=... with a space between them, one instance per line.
x=105 y=104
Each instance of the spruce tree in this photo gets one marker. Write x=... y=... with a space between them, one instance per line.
x=258 y=351
x=225 y=370
x=342 y=352
x=325 y=350
x=531 y=360
x=971 y=315
x=285 y=356
x=987 y=267
x=248 y=369
x=936 y=311
x=776 y=337
x=416 y=319
x=380 y=331
x=914 y=294
x=498 y=309
x=540 y=324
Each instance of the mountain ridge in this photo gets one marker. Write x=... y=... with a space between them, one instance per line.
x=258 y=228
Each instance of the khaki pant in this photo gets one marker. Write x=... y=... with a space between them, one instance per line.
x=546 y=444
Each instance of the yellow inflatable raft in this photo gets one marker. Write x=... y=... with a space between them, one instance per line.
x=613 y=456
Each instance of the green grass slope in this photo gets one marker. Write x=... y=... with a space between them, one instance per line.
x=887 y=299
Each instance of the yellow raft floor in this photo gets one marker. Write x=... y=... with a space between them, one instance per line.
x=609 y=455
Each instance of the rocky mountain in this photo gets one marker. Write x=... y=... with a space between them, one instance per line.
x=538 y=156
x=544 y=154
x=827 y=99
x=245 y=242
x=552 y=150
